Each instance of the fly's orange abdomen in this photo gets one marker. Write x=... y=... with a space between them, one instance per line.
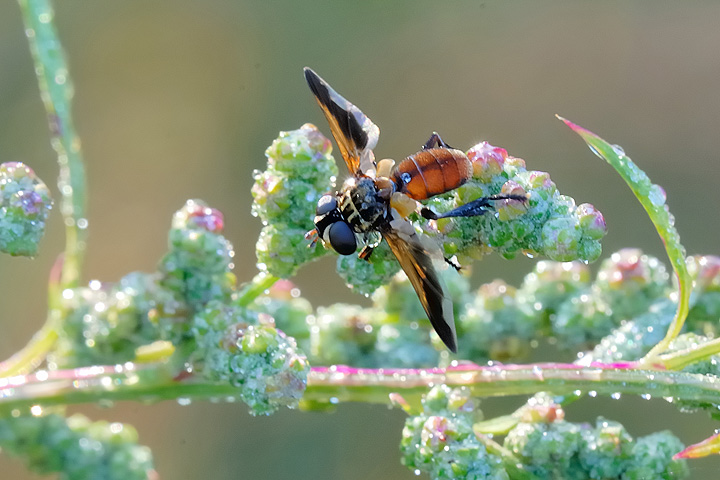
x=431 y=172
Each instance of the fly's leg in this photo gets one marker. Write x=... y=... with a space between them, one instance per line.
x=452 y=263
x=472 y=209
x=435 y=141
x=365 y=253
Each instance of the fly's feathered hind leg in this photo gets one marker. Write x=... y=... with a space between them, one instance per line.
x=452 y=263
x=435 y=141
x=472 y=209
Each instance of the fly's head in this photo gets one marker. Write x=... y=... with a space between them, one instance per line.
x=332 y=227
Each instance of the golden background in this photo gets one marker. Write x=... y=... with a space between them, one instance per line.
x=178 y=99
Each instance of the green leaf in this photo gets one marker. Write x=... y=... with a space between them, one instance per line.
x=652 y=198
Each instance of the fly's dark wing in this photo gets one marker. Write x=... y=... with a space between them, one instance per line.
x=417 y=264
x=355 y=134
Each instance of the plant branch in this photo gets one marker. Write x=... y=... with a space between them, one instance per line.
x=257 y=286
x=681 y=359
x=325 y=385
x=56 y=91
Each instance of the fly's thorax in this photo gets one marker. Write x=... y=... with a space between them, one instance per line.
x=362 y=204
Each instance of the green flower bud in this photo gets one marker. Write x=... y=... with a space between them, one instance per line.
x=548 y=450
x=551 y=283
x=630 y=281
x=441 y=441
x=634 y=338
x=106 y=323
x=547 y=224
x=342 y=335
x=582 y=320
x=705 y=306
x=76 y=448
x=365 y=277
x=652 y=458
x=494 y=326
x=300 y=169
x=403 y=345
x=245 y=349
x=25 y=204
x=289 y=309
x=199 y=264
x=606 y=450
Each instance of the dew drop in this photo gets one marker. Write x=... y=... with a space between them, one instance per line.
x=657 y=195
x=646 y=396
x=618 y=150
x=616 y=396
x=595 y=151
x=184 y=401
x=592 y=393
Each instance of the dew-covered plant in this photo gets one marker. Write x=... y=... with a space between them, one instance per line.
x=190 y=330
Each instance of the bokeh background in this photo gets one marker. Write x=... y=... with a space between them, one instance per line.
x=178 y=99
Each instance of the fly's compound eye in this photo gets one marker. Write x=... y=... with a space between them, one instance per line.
x=342 y=238
x=327 y=203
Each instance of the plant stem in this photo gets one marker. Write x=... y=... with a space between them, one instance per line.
x=261 y=282
x=32 y=354
x=344 y=384
x=683 y=358
x=56 y=91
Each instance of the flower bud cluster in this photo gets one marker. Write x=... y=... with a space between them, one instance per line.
x=626 y=285
x=548 y=224
x=638 y=334
x=562 y=449
x=198 y=265
x=366 y=276
x=626 y=308
x=25 y=204
x=300 y=169
x=705 y=309
x=440 y=441
x=106 y=323
x=245 y=349
x=76 y=448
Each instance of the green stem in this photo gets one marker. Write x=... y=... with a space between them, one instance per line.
x=31 y=355
x=148 y=383
x=56 y=91
x=261 y=282
x=681 y=359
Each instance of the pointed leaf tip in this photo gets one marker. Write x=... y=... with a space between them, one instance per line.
x=709 y=446
x=582 y=131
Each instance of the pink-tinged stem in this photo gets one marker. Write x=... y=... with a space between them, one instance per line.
x=156 y=382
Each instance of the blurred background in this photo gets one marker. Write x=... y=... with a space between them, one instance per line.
x=179 y=99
